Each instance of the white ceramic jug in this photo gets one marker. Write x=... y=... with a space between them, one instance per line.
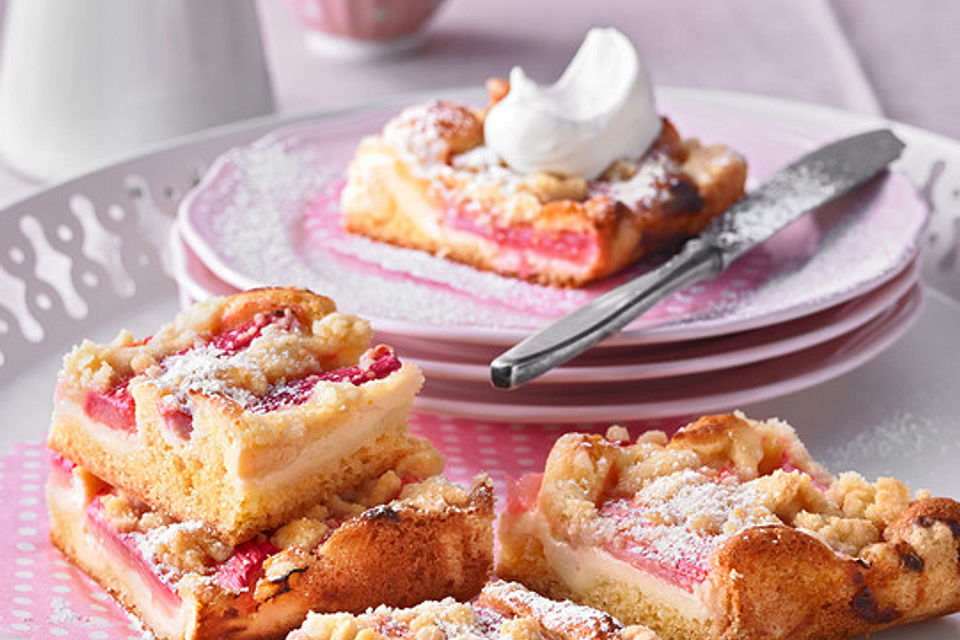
x=83 y=82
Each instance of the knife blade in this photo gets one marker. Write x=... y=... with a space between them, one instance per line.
x=805 y=184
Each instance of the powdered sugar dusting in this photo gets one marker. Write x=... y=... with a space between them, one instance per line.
x=498 y=603
x=772 y=207
x=478 y=170
x=558 y=617
x=63 y=613
x=889 y=441
x=142 y=633
x=458 y=630
x=415 y=131
x=645 y=185
x=678 y=519
x=207 y=370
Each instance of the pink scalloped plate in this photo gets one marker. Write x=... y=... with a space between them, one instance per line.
x=469 y=361
x=695 y=394
x=267 y=214
x=648 y=362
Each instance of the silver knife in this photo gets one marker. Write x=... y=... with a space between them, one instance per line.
x=809 y=182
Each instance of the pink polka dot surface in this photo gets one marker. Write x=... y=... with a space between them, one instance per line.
x=43 y=597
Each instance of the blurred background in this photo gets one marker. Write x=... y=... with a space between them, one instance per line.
x=874 y=56
x=64 y=61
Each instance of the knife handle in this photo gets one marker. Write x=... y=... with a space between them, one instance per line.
x=577 y=332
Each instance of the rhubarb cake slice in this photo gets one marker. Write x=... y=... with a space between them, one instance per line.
x=430 y=182
x=729 y=530
x=503 y=611
x=241 y=413
x=399 y=538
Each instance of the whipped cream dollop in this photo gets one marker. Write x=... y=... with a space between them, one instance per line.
x=601 y=109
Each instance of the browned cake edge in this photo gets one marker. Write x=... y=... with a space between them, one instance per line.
x=622 y=236
x=397 y=555
x=781 y=582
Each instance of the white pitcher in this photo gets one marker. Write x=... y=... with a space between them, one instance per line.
x=83 y=82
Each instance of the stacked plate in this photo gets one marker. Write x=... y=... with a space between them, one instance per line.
x=818 y=299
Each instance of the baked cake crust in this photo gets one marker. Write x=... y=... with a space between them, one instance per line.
x=241 y=412
x=503 y=610
x=429 y=183
x=755 y=540
x=438 y=539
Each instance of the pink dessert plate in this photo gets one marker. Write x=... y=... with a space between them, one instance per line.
x=469 y=361
x=680 y=358
x=267 y=214
x=194 y=280
x=687 y=395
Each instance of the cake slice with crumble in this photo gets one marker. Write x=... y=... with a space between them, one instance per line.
x=729 y=530
x=560 y=185
x=241 y=413
x=429 y=183
x=398 y=538
x=503 y=611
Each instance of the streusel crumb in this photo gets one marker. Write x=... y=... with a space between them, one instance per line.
x=716 y=478
x=305 y=533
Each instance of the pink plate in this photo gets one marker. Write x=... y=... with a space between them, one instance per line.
x=267 y=214
x=676 y=359
x=688 y=395
x=195 y=280
x=470 y=361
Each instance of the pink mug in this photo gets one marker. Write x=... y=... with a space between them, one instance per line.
x=363 y=28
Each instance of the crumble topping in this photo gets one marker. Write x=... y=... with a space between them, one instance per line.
x=444 y=143
x=186 y=546
x=557 y=618
x=863 y=512
x=432 y=131
x=503 y=610
x=434 y=493
x=293 y=335
x=211 y=371
x=633 y=182
x=672 y=502
x=260 y=352
x=433 y=620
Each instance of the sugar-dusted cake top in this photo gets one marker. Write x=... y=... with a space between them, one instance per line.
x=251 y=340
x=666 y=505
x=443 y=141
x=260 y=351
x=504 y=611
